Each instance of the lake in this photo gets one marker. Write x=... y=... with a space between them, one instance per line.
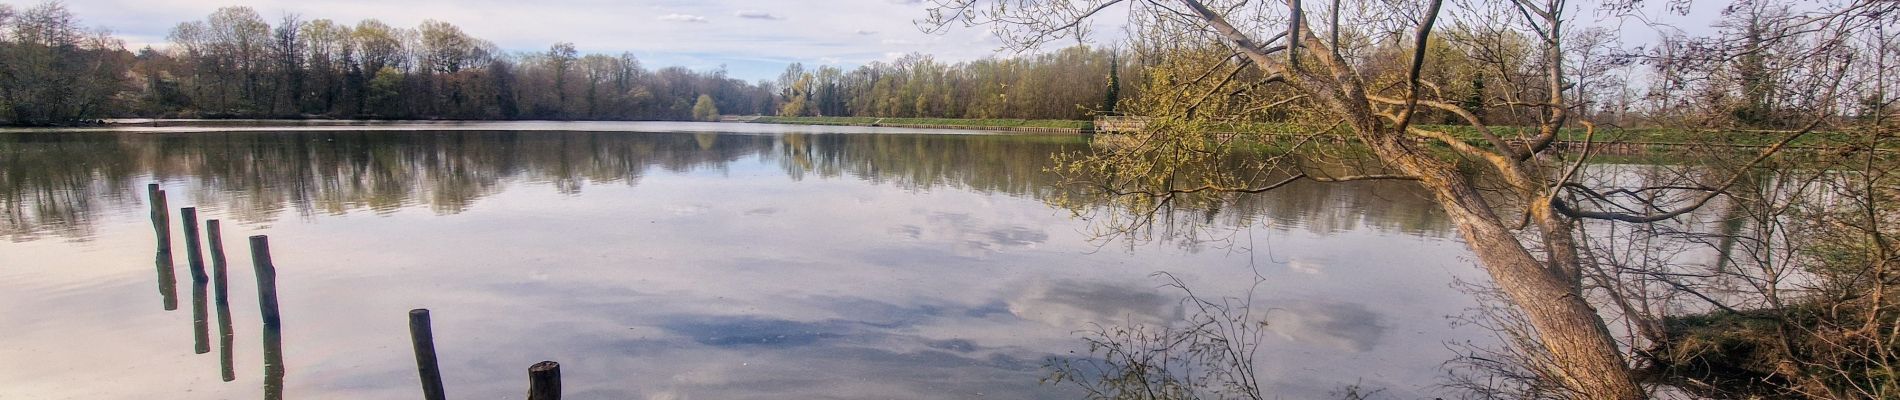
x=678 y=260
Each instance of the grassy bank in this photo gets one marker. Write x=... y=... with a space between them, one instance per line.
x=931 y=122
x=1665 y=136
x=1660 y=136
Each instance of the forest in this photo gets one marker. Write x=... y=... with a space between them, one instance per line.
x=235 y=63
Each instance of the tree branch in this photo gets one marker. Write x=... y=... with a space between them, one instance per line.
x=1647 y=217
x=1418 y=64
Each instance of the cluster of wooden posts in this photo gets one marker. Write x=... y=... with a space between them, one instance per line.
x=544 y=378
x=216 y=278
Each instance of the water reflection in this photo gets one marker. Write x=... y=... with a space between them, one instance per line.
x=273 y=362
x=266 y=272
x=1342 y=325
x=56 y=183
x=202 y=290
x=162 y=259
x=200 y=282
x=1071 y=303
x=675 y=265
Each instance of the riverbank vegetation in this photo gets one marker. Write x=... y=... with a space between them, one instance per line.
x=1727 y=273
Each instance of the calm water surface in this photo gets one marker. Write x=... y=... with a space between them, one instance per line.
x=675 y=261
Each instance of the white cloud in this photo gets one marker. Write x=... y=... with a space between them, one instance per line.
x=682 y=18
x=756 y=14
x=1307 y=266
x=866 y=32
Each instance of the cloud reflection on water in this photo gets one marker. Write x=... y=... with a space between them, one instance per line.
x=658 y=265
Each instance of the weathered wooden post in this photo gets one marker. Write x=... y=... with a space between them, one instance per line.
x=194 y=257
x=162 y=229
x=167 y=280
x=200 y=316
x=273 y=362
x=266 y=280
x=194 y=252
x=221 y=298
x=273 y=325
x=161 y=218
x=544 y=381
x=422 y=336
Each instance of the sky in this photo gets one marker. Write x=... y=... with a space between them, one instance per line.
x=752 y=39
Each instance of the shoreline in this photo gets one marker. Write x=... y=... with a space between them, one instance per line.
x=1611 y=143
x=1077 y=127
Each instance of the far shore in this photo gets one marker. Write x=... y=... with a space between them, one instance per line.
x=1621 y=141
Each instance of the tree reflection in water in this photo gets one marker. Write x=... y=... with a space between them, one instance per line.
x=58 y=186
x=55 y=184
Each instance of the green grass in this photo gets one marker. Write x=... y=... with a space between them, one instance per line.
x=956 y=122
x=1603 y=135
x=1657 y=135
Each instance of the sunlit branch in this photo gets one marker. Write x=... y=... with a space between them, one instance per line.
x=1473 y=119
x=1235 y=37
x=1418 y=64
x=1261 y=189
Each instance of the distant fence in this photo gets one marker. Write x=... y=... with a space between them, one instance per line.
x=1038 y=129
x=1117 y=124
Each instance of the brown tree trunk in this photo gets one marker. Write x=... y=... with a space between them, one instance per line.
x=1581 y=348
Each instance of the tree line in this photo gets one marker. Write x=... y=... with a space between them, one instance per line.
x=53 y=71
x=234 y=63
x=1070 y=83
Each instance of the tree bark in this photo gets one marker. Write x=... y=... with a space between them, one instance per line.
x=1579 y=344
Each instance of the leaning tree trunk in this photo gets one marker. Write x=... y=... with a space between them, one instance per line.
x=1581 y=348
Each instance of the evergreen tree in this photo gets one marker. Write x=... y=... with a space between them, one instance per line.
x=1114 y=91
x=1474 y=101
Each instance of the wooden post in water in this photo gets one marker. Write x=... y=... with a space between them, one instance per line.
x=544 y=381
x=273 y=362
x=200 y=316
x=266 y=280
x=161 y=218
x=422 y=336
x=221 y=298
x=194 y=252
x=194 y=257
x=167 y=280
x=273 y=325
x=162 y=228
